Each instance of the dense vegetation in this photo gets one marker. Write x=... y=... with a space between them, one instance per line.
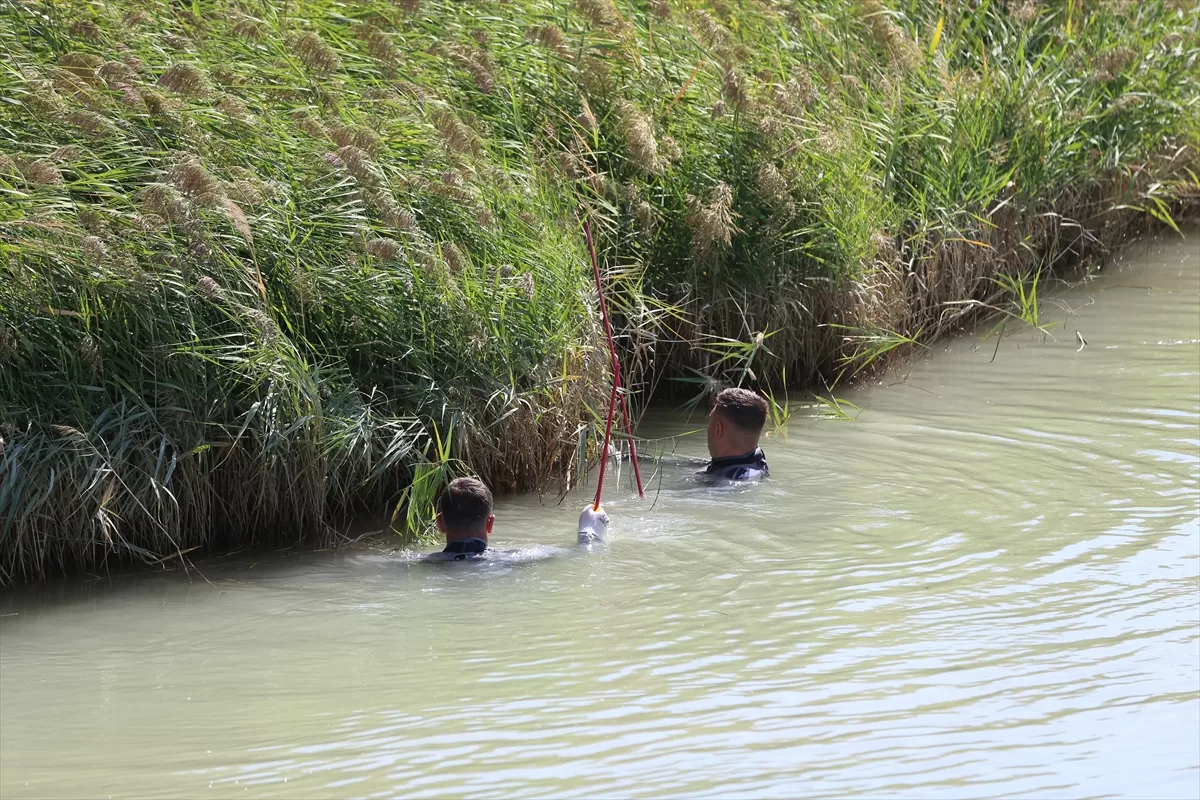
x=260 y=261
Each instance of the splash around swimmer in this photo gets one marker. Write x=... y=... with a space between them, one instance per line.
x=465 y=508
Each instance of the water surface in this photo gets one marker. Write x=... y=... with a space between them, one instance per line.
x=987 y=585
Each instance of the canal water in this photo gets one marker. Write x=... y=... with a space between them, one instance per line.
x=988 y=584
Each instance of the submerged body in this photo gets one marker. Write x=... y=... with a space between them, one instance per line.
x=498 y=556
x=749 y=466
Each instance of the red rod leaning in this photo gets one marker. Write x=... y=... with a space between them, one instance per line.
x=616 y=390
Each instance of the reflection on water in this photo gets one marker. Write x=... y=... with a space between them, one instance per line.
x=989 y=584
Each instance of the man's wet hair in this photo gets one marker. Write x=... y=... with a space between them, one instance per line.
x=743 y=408
x=465 y=503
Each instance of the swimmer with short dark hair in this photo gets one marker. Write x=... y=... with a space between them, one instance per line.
x=735 y=424
x=465 y=516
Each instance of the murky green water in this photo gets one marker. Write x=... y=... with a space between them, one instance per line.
x=988 y=585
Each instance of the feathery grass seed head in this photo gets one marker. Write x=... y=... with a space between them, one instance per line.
x=670 y=149
x=97 y=126
x=318 y=56
x=190 y=179
x=890 y=36
x=263 y=323
x=89 y=351
x=568 y=163
x=238 y=218
x=1112 y=62
x=771 y=185
x=711 y=32
x=733 y=88
x=639 y=136
x=364 y=139
x=379 y=46
x=83 y=65
x=594 y=74
x=209 y=289
x=356 y=162
x=185 y=79
x=402 y=219
x=94 y=248
x=1026 y=12
x=454 y=257
x=383 y=249
x=600 y=183
x=456 y=135
x=647 y=216
x=43 y=172
x=712 y=225
x=85 y=29
x=116 y=74
x=599 y=13
x=249 y=29
x=586 y=119
x=548 y=36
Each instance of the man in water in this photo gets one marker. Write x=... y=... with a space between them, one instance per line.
x=465 y=517
x=734 y=426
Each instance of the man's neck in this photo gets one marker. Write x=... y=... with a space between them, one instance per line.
x=734 y=451
x=460 y=537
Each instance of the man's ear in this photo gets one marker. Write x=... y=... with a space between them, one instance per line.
x=487 y=526
x=719 y=428
x=441 y=522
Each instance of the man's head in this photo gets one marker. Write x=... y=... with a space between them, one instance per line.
x=465 y=510
x=736 y=422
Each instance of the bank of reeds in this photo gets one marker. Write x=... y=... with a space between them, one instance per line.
x=256 y=259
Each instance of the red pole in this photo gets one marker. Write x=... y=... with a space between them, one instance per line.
x=616 y=369
x=612 y=405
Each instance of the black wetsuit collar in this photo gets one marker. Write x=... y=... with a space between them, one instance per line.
x=755 y=458
x=461 y=548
